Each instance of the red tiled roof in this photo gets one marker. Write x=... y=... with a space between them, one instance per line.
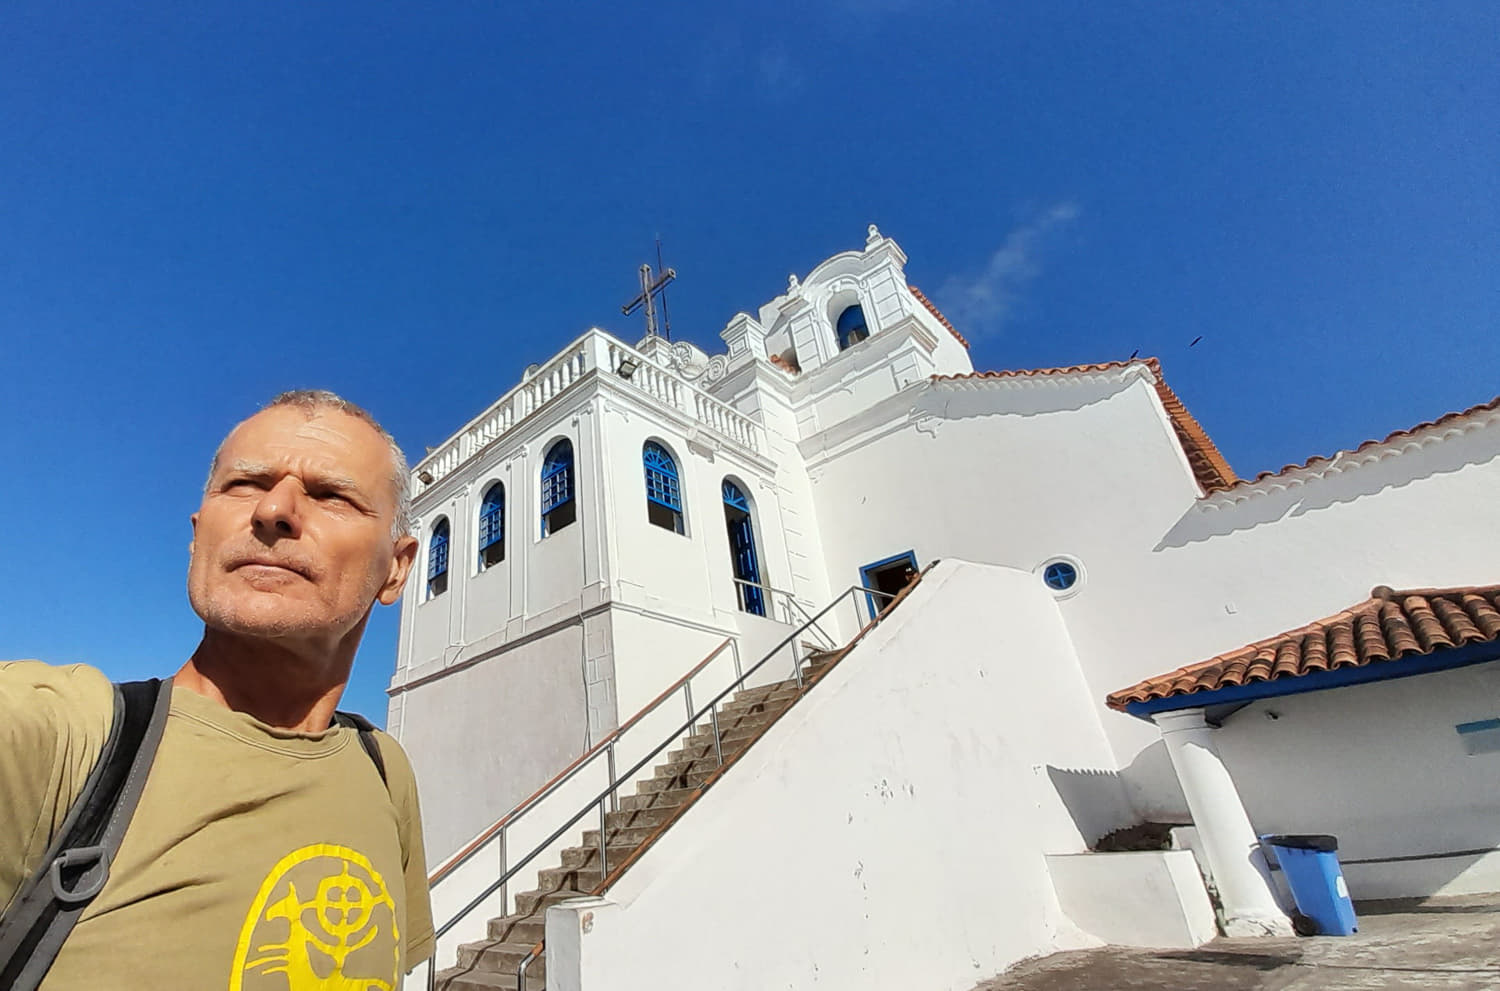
x=1385 y=628
x=922 y=298
x=1447 y=418
x=1210 y=468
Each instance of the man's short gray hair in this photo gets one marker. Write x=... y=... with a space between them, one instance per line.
x=312 y=401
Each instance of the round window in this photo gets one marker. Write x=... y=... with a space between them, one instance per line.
x=1060 y=576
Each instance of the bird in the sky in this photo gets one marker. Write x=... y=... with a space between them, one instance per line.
x=1196 y=340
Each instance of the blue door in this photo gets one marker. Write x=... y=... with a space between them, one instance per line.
x=742 y=549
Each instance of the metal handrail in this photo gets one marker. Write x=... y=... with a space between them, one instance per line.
x=566 y=774
x=790 y=600
x=610 y=793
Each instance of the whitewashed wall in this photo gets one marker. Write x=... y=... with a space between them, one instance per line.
x=889 y=831
x=1381 y=767
x=475 y=742
x=1017 y=474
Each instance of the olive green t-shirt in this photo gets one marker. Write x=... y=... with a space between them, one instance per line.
x=258 y=858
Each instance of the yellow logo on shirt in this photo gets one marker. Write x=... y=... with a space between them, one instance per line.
x=323 y=921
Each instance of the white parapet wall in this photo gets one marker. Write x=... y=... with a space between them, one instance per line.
x=890 y=831
x=1150 y=898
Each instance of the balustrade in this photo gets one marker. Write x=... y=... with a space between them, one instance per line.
x=594 y=350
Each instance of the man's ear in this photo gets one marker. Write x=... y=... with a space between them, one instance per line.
x=401 y=562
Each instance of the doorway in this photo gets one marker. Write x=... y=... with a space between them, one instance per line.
x=888 y=575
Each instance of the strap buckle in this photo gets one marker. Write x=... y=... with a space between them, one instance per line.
x=86 y=857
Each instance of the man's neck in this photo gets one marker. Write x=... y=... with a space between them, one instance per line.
x=284 y=687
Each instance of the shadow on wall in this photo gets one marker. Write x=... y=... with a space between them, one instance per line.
x=1095 y=799
x=1043 y=396
x=1202 y=523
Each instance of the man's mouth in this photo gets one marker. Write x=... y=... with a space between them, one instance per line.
x=268 y=567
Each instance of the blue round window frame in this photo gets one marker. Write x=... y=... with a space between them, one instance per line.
x=1060 y=576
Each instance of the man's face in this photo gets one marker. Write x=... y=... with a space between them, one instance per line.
x=293 y=539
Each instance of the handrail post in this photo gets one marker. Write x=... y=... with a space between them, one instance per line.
x=687 y=691
x=603 y=842
x=718 y=747
x=432 y=969
x=735 y=649
x=796 y=664
x=614 y=795
x=504 y=889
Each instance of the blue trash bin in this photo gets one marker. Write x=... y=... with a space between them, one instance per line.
x=1311 y=866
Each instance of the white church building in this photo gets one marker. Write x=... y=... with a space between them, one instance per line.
x=1099 y=625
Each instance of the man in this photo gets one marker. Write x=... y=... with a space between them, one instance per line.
x=266 y=851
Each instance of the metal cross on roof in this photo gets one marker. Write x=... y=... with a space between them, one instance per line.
x=652 y=287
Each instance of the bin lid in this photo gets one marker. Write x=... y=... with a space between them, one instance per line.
x=1303 y=841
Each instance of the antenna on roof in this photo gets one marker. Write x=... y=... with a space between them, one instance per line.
x=666 y=319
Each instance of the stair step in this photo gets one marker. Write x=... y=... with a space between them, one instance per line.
x=579 y=879
x=621 y=836
x=501 y=958
x=641 y=818
x=460 y=979
x=784 y=693
x=536 y=902
x=526 y=928
x=677 y=782
x=588 y=855
x=708 y=761
x=668 y=799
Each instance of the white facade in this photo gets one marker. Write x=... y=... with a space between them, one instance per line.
x=853 y=455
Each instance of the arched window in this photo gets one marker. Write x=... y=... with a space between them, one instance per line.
x=742 y=557
x=663 y=492
x=437 y=559
x=492 y=527
x=851 y=327
x=559 y=508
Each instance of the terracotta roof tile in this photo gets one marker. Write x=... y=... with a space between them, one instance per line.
x=1387 y=627
x=1493 y=404
x=1210 y=468
x=932 y=308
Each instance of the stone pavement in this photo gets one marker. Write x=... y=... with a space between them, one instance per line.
x=1448 y=944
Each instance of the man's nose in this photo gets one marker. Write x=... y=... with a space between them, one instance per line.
x=277 y=513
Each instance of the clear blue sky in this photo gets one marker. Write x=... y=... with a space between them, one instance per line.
x=204 y=203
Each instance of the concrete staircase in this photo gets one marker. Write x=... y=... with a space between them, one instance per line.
x=658 y=801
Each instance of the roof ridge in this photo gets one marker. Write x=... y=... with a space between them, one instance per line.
x=932 y=308
x=1390 y=438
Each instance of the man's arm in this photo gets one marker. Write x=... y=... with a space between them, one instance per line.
x=54 y=722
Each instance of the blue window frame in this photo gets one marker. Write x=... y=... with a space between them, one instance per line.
x=741 y=524
x=1060 y=576
x=663 y=488
x=851 y=327
x=492 y=527
x=437 y=559
x=558 y=506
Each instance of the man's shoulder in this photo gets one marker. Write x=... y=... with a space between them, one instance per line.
x=76 y=692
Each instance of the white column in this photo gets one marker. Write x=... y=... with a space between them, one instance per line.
x=1234 y=855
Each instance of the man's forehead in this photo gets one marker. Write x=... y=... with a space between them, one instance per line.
x=324 y=435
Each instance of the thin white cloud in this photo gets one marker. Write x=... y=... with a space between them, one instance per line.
x=981 y=304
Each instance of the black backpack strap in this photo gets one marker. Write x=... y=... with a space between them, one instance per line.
x=355 y=721
x=76 y=865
